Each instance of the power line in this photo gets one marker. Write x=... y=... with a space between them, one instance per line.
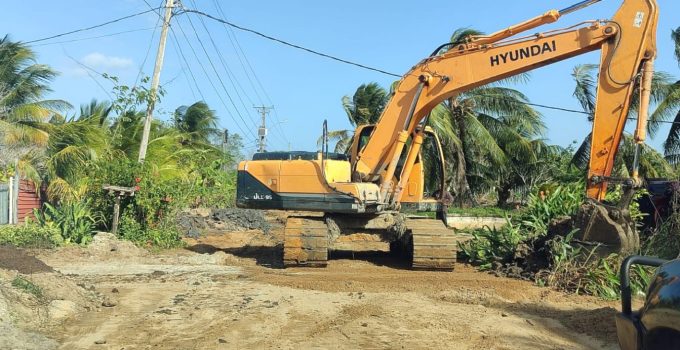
x=212 y=65
x=238 y=49
x=148 y=49
x=180 y=54
x=90 y=28
x=291 y=44
x=575 y=111
x=96 y=37
x=230 y=75
x=198 y=61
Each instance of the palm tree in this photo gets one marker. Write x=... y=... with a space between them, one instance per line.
x=23 y=83
x=484 y=129
x=197 y=121
x=651 y=163
x=670 y=108
x=364 y=107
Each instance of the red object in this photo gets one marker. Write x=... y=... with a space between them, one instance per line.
x=138 y=179
x=137 y=188
x=29 y=199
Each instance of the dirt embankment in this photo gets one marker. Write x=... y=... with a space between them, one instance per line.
x=225 y=291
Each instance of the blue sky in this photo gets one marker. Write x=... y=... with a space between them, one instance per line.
x=305 y=89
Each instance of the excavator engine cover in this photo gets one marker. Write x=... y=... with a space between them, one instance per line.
x=609 y=225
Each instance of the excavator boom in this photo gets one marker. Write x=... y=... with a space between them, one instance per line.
x=627 y=41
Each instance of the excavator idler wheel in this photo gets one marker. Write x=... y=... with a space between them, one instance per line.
x=609 y=225
x=434 y=246
x=305 y=242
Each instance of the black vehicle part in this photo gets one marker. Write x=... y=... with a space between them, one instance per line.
x=624 y=276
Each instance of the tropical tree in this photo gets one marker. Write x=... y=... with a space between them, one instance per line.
x=651 y=163
x=364 y=107
x=669 y=109
x=197 y=121
x=486 y=128
x=23 y=83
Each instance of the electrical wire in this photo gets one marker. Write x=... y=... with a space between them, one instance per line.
x=232 y=78
x=205 y=72
x=186 y=67
x=212 y=65
x=241 y=54
x=291 y=44
x=95 y=37
x=90 y=28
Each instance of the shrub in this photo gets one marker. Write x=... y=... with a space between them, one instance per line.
x=165 y=236
x=500 y=245
x=74 y=221
x=490 y=245
x=30 y=235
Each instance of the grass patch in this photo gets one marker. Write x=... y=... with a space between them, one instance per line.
x=27 y=286
x=484 y=212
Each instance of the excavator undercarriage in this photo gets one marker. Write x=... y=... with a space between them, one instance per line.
x=427 y=243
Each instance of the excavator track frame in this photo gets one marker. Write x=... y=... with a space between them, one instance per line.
x=306 y=242
x=428 y=242
x=433 y=245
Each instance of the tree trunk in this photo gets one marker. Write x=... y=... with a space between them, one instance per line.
x=504 y=193
x=461 y=186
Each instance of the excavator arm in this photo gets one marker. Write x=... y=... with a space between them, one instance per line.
x=627 y=43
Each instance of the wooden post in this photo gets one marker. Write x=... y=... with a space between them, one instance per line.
x=118 y=192
x=116 y=213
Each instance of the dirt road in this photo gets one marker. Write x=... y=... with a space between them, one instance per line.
x=225 y=292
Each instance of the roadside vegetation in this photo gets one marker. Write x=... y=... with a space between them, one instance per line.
x=70 y=157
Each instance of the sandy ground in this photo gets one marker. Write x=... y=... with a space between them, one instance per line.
x=225 y=291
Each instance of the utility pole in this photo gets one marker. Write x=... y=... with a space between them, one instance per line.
x=262 y=131
x=155 y=81
x=225 y=141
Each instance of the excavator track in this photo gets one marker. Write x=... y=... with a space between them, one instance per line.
x=434 y=246
x=305 y=242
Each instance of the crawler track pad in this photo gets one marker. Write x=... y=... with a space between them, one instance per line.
x=305 y=242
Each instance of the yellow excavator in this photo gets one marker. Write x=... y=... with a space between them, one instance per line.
x=382 y=176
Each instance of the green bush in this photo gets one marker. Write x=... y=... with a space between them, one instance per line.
x=30 y=235
x=75 y=221
x=164 y=236
x=483 y=212
x=491 y=245
x=499 y=245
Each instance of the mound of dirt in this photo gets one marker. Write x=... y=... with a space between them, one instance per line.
x=35 y=300
x=12 y=258
x=535 y=256
x=107 y=244
x=196 y=221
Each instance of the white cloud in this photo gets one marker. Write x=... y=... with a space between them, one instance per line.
x=100 y=61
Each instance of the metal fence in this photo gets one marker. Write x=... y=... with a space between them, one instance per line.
x=9 y=195
x=4 y=204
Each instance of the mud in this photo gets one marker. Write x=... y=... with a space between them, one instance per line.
x=226 y=291
x=12 y=258
x=196 y=222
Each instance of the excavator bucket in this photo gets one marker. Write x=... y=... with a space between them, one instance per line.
x=609 y=225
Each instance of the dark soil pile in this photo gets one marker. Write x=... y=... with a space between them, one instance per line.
x=193 y=223
x=12 y=258
x=535 y=256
